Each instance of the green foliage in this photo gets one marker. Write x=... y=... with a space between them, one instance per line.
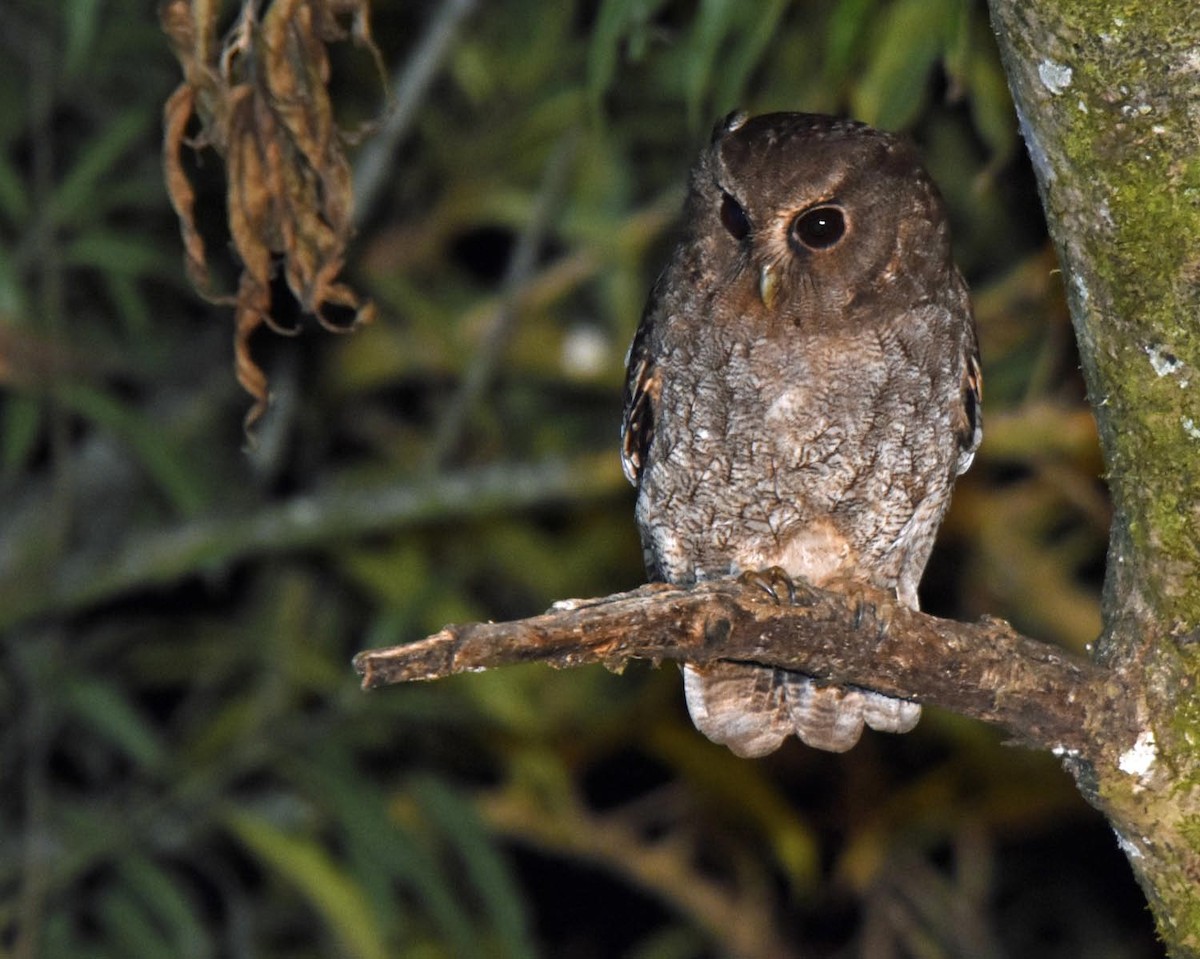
x=190 y=768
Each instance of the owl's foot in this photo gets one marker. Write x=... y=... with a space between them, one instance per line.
x=873 y=612
x=878 y=614
x=774 y=581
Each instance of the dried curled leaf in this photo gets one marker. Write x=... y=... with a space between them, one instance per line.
x=260 y=99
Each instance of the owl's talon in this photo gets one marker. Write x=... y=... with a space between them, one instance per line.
x=872 y=615
x=774 y=581
x=883 y=613
x=866 y=611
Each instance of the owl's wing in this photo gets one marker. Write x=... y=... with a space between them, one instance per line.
x=642 y=390
x=969 y=428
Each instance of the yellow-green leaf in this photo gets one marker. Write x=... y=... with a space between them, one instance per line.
x=303 y=863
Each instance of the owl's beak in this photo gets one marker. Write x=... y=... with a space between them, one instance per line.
x=768 y=285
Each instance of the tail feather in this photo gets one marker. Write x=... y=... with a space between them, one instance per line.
x=738 y=706
x=887 y=714
x=752 y=709
x=824 y=717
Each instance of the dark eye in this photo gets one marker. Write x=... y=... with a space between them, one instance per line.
x=819 y=228
x=734 y=217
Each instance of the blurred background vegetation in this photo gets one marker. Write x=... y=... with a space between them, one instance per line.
x=188 y=766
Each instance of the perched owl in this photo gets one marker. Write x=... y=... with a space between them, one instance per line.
x=803 y=389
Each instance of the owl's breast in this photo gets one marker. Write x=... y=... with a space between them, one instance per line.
x=765 y=454
x=737 y=469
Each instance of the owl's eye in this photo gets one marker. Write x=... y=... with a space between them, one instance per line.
x=734 y=217
x=818 y=228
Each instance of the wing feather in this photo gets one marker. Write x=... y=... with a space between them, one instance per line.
x=970 y=420
x=642 y=390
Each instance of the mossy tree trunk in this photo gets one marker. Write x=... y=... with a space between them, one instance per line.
x=1109 y=99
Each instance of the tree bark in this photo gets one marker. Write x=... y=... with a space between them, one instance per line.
x=1108 y=96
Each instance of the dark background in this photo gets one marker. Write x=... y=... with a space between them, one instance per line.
x=188 y=767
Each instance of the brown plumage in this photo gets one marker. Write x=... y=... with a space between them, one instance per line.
x=802 y=392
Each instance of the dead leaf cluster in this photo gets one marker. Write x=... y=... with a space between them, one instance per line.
x=260 y=99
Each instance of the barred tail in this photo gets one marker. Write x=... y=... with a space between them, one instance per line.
x=752 y=709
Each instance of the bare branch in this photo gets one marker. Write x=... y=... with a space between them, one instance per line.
x=410 y=86
x=737 y=917
x=482 y=369
x=341 y=512
x=986 y=670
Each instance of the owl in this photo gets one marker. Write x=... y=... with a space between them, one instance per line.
x=802 y=392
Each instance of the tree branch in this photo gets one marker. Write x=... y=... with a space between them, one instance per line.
x=410 y=86
x=341 y=512
x=1043 y=695
x=735 y=915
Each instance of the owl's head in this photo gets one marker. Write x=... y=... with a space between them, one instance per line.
x=818 y=217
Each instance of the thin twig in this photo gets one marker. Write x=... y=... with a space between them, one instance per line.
x=409 y=88
x=495 y=337
x=736 y=919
